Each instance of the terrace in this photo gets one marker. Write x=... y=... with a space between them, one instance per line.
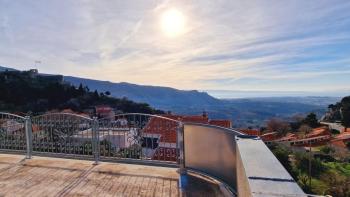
x=69 y=155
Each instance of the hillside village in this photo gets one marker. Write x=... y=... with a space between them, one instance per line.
x=316 y=152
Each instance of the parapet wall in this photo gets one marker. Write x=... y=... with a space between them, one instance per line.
x=242 y=162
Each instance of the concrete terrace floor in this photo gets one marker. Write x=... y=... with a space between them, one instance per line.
x=42 y=176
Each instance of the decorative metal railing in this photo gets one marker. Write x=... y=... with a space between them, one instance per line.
x=63 y=133
x=12 y=132
x=139 y=136
x=134 y=136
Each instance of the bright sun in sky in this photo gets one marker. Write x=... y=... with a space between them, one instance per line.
x=173 y=23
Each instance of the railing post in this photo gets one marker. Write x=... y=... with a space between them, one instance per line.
x=180 y=142
x=95 y=140
x=181 y=159
x=29 y=141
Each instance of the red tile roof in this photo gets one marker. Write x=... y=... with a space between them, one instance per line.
x=103 y=109
x=343 y=136
x=251 y=132
x=167 y=128
x=221 y=123
x=288 y=137
x=269 y=136
x=318 y=132
x=341 y=139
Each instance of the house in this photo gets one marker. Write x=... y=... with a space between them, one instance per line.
x=104 y=111
x=320 y=131
x=288 y=137
x=221 y=123
x=251 y=132
x=318 y=136
x=268 y=137
x=341 y=140
x=160 y=134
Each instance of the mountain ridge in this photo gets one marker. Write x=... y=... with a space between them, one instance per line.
x=158 y=96
x=242 y=111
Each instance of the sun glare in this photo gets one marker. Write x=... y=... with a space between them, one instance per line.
x=173 y=23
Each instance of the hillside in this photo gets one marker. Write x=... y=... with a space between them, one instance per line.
x=159 y=97
x=243 y=112
x=6 y=68
x=24 y=91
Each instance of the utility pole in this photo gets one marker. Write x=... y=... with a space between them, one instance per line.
x=309 y=164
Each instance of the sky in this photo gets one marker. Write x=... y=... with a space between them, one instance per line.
x=225 y=46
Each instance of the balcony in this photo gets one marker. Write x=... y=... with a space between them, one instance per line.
x=134 y=155
x=43 y=176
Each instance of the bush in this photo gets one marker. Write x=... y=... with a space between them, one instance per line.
x=325 y=158
x=282 y=154
x=327 y=149
x=338 y=185
x=335 y=132
x=317 y=166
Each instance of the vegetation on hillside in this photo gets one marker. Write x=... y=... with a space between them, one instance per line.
x=299 y=124
x=340 y=112
x=330 y=167
x=24 y=92
x=330 y=173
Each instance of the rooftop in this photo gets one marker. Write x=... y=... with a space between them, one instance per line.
x=66 y=177
x=151 y=158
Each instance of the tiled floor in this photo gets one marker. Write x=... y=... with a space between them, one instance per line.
x=63 y=177
x=43 y=176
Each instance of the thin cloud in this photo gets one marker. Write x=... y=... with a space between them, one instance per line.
x=225 y=43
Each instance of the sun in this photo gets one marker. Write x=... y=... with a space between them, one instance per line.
x=173 y=23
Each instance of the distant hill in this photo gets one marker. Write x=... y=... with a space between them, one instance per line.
x=2 y=69
x=159 y=97
x=308 y=100
x=243 y=112
x=28 y=91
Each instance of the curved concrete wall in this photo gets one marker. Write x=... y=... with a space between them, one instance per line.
x=211 y=150
x=242 y=162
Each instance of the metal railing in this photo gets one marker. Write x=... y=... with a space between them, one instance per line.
x=13 y=132
x=133 y=136
x=138 y=136
x=63 y=133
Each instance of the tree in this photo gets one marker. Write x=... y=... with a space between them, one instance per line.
x=348 y=145
x=81 y=89
x=296 y=122
x=277 y=125
x=305 y=129
x=345 y=111
x=327 y=149
x=108 y=93
x=303 y=181
x=338 y=185
x=311 y=120
x=96 y=95
x=302 y=163
x=282 y=154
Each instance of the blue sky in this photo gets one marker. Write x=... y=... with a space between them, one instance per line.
x=272 y=46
